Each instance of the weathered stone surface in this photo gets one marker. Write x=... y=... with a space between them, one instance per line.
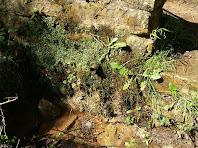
x=118 y=15
x=136 y=17
x=184 y=76
x=148 y=5
x=48 y=110
x=116 y=135
x=15 y=13
x=139 y=45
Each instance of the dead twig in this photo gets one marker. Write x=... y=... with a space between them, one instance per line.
x=10 y=99
x=3 y=124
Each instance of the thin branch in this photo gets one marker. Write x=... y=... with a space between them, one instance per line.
x=17 y=143
x=10 y=99
x=3 y=124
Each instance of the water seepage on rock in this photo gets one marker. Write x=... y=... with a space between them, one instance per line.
x=48 y=110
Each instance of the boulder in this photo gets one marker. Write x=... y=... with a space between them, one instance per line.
x=48 y=110
x=140 y=46
x=133 y=17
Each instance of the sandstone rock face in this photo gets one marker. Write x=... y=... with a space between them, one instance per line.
x=116 y=135
x=185 y=76
x=133 y=16
x=136 y=17
x=143 y=45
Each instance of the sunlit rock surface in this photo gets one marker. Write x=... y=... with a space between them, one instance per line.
x=136 y=17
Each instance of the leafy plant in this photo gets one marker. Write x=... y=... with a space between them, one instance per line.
x=131 y=143
x=185 y=127
x=7 y=141
x=173 y=90
x=6 y=59
x=54 y=47
x=56 y=139
x=187 y=105
x=121 y=69
x=130 y=120
x=158 y=33
x=150 y=69
x=164 y=121
x=110 y=46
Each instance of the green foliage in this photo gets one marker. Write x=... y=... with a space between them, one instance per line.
x=3 y=39
x=119 y=45
x=144 y=134
x=129 y=111
x=5 y=140
x=164 y=121
x=149 y=69
x=156 y=64
x=35 y=10
x=154 y=74
x=173 y=90
x=54 y=47
x=143 y=85
x=56 y=139
x=111 y=45
x=8 y=63
x=158 y=33
x=185 y=127
x=121 y=70
x=130 y=120
x=127 y=84
x=187 y=105
x=131 y=143
x=6 y=59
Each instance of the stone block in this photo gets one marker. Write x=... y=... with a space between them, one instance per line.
x=133 y=16
x=118 y=15
x=140 y=46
